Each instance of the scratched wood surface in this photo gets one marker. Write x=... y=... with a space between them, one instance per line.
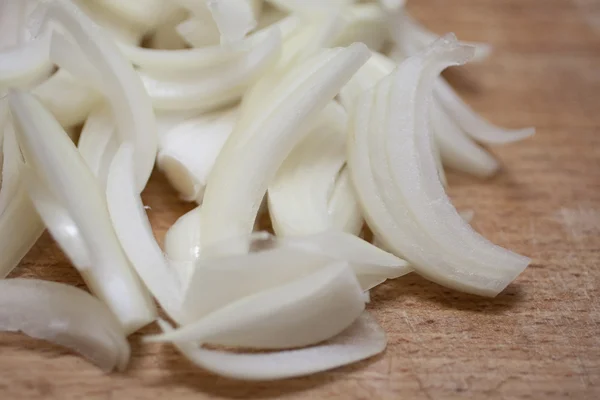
x=539 y=339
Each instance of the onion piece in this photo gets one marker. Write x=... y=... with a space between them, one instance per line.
x=73 y=206
x=135 y=234
x=213 y=87
x=474 y=125
x=363 y=339
x=419 y=224
x=363 y=23
x=10 y=167
x=189 y=150
x=148 y=14
x=64 y=315
x=25 y=64
x=129 y=103
x=323 y=304
x=120 y=28
x=300 y=193
x=242 y=170
x=199 y=32
x=343 y=208
x=98 y=142
x=69 y=99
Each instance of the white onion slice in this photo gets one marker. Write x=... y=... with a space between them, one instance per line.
x=144 y=13
x=363 y=339
x=216 y=86
x=10 y=166
x=199 y=32
x=64 y=315
x=343 y=207
x=135 y=234
x=189 y=150
x=68 y=98
x=73 y=206
x=390 y=153
x=235 y=18
x=474 y=125
x=121 y=29
x=98 y=142
x=121 y=85
x=263 y=139
x=25 y=64
x=300 y=193
x=363 y=23
x=322 y=304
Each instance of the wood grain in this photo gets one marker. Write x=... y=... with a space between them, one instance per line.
x=539 y=339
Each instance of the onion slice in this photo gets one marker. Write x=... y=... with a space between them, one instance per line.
x=300 y=193
x=390 y=152
x=189 y=150
x=64 y=315
x=263 y=139
x=363 y=339
x=73 y=206
x=130 y=104
x=323 y=304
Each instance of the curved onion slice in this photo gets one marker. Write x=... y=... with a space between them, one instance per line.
x=199 y=32
x=20 y=228
x=25 y=64
x=264 y=136
x=64 y=315
x=343 y=207
x=98 y=142
x=323 y=304
x=300 y=193
x=135 y=234
x=73 y=206
x=216 y=86
x=189 y=150
x=363 y=339
x=234 y=18
x=125 y=93
x=10 y=166
x=145 y=13
x=69 y=99
x=390 y=153
x=474 y=125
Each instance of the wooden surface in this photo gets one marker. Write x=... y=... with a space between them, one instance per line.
x=539 y=339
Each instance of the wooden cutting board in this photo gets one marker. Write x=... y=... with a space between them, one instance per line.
x=539 y=339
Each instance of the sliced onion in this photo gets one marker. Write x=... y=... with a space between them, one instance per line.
x=129 y=103
x=363 y=339
x=120 y=28
x=69 y=99
x=64 y=315
x=419 y=224
x=343 y=207
x=323 y=304
x=211 y=88
x=300 y=193
x=25 y=64
x=135 y=234
x=73 y=206
x=474 y=125
x=363 y=23
x=189 y=150
x=251 y=156
x=145 y=13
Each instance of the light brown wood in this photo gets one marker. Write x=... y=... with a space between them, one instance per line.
x=539 y=339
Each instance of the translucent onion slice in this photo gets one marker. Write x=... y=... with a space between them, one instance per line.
x=343 y=207
x=189 y=150
x=69 y=99
x=120 y=28
x=73 y=206
x=390 y=153
x=323 y=304
x=299 y=195
x=64 y=315
x=135 y=234
x=130 y=104
x=199 y=32
x=10 y=167
x=216 y=86
x=12 y=15
x=363 y=339
x=474 y=125
x=264 y=136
